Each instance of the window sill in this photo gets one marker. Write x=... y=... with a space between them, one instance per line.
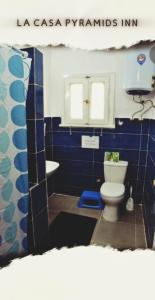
x=111 y=126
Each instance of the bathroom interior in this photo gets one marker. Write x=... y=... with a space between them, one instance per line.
x=90 y=150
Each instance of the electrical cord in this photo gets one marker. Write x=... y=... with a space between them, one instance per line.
x=142 y=102
x=139 y=102
x=151 y=106
x=138 y=111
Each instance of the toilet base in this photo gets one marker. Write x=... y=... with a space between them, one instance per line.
x=110 y=213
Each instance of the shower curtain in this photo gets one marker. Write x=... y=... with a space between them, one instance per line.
x=14 y=76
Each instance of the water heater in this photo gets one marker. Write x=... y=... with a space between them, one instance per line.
x=139 y=71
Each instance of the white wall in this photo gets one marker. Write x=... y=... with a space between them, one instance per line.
x=60 y=61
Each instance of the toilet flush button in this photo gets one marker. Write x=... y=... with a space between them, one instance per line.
x=90 y=142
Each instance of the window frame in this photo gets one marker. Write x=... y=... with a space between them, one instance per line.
x=67 y=119
x=105 y=80
x=86 y=80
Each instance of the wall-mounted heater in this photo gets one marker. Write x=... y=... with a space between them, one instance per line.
x=139 y=76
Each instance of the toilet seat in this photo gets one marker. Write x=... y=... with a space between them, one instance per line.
x=112 y=190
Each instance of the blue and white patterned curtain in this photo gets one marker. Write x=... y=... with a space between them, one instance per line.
x=14 y=76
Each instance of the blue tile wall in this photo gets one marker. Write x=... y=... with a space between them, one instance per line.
x=35 y=118
x=38 y=69
x=30 y=103
x=35 y=102
x=32 y=161
x=48 y=123
x=41 y=231
x=149 y=191
x=38 y=216
x=31 y=133
x=38 y=198
x=83 y=168
x=50 y=185
x=49 y=151
x=36 y=75
x=72 y=153
x=30 y=233
x=39 y=138
x=41 y=166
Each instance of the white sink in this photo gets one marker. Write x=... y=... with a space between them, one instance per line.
x=51 y=167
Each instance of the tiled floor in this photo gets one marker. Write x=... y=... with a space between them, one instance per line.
x=127 y=233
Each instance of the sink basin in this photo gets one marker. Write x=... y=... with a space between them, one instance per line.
x=51 y=167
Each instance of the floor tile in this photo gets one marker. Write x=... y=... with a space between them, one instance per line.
x=138 y=214
x=116 y=234
x=140 y=241
x=52 y=215
x=69 y=203
x=94 y=213
x=128 y=217
x=126 y=233
x=61 y=201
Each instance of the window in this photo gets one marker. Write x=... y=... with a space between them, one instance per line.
x=89 y=101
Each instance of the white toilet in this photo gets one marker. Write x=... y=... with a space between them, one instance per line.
x=112 y=190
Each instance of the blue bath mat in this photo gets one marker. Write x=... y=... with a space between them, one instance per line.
x=91 y=199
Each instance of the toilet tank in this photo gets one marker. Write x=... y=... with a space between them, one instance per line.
x=115 y=171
